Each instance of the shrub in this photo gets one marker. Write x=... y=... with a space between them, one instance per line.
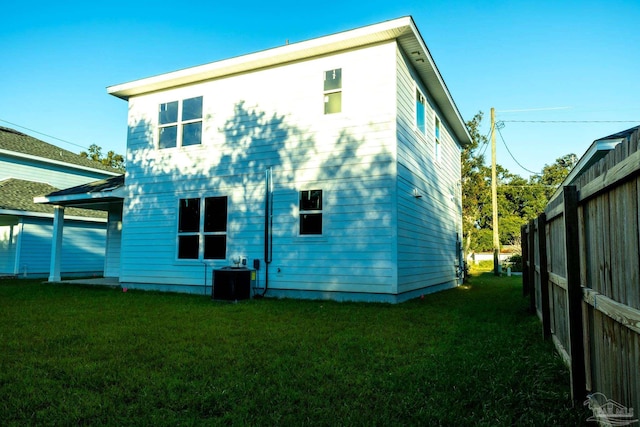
x=515 y=262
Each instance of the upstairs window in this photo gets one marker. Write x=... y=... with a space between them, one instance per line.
x=311 y=212
x=180 y=123
x=202 y=228
x=438 y=150
x=333 y=91
x=421 y=103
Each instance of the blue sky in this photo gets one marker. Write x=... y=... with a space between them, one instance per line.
x=532 y=61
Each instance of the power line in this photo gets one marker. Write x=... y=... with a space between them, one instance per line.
x=44 y=134
x=485 y=144
x=509 y=151
x=570 y=121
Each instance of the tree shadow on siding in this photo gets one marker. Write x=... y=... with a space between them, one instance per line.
x=357 y=176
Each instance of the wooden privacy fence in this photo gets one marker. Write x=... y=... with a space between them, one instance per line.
x=582 y=273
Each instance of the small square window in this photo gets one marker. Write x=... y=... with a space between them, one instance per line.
x=180 y=123
x=311 y=223
x=333 y=79
x=191 y=134
x=311 y=200
x=189 y=216
x=438 y=149
x=188 y=247
x=192 y=108
x=333 y=103
x=215 y=214
x=311 y=212
x=168 y=113
x=215 y=246
x=333 y=91
x=420 y=111
x=168 y=137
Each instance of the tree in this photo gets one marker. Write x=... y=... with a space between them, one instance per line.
x=519 y=200
x=475 y=187
x=112 y=159
x=554 y=174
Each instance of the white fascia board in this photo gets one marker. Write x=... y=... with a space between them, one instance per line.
x=605 y=145
x=436 y=85
x=402 y=29
x=57 y=162
x=388 y=30
x=47 y=215
x=598 y=146
x=61 y=200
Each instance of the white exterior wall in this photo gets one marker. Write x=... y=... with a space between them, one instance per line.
x=427 y=226
x=8 y=248
x=58 y=176
x=82 y=247
x=113 y=243
x=274 y=118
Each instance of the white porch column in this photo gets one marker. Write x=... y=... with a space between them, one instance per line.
x=56 y=243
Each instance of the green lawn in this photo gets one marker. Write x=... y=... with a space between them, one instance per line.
x=72 y=355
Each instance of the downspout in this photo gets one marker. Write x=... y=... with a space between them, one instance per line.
x=268 y=226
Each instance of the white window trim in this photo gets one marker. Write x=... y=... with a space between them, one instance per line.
x=321 y=211
x=437 y=138
x=179 y=125
x=330 y=91
x=415 y=111
x=200 y=233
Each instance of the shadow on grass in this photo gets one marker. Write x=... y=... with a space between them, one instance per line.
x=467 y=356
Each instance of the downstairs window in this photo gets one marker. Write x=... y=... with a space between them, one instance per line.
x=202 y=228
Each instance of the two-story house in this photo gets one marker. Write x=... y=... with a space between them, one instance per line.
x=30 y=168
x=331 y=165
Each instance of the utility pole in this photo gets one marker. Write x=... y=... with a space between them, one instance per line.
x=494 y=196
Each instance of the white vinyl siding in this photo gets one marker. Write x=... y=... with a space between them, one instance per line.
x=59 y=176
x=252 y=126
x=8 y=248
x=428 y=225
x=82 y=247
x=113 y=243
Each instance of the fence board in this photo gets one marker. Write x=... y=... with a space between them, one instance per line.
x=544 y=275
x=621 y=313
x=592 y=238
x=621 y=171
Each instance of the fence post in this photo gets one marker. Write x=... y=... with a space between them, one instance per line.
x=574 y=293
x=532 y=266
x=524 y=246
x=544 y=276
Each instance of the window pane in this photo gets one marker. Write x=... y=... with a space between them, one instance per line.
x=192 y=108
x=311 y=223
x=189 y=215
x=437 y=128
x=333 y=79
x=168 y=113
x=333 y=103
x=192 y=134
x=215 y=247
x=168 y=137
x=188 y=247
x=420 y=119
x=311 y=200
x=215 y=214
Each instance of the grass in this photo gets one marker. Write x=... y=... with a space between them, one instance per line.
x=98 y=356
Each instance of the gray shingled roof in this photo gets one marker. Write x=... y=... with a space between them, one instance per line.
x=92 y=187
x=18 y=194
x=13 y=140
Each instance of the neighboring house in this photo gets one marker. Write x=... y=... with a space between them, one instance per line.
x=332 y=165
x=30 y=168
